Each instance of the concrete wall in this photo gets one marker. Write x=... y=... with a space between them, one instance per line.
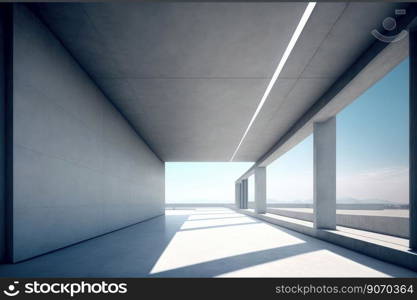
x=79 y=169
x=364 y=206
x=397 y=255
x=395 y=226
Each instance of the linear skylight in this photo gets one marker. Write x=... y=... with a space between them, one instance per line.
x=291 y=44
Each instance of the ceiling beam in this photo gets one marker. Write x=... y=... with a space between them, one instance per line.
x=315 y=112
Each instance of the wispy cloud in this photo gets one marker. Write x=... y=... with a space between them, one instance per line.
x=389 y=184
x=386 y=184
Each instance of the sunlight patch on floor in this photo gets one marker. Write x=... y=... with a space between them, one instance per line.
x=209 y=236
x=318 y=263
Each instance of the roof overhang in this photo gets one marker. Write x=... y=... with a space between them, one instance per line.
x=188 y=77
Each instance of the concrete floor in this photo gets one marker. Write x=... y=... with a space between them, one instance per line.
x=204 y=242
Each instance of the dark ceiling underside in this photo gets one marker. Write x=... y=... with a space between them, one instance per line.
x=189 y=76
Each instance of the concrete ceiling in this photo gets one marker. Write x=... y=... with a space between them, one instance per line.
x=189 y=76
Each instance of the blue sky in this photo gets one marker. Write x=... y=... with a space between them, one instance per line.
x=372 y=156
x=202 y=182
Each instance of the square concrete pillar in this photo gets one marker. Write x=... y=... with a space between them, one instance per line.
x=260 y=190
x=237 y=194
x=244 y=195
x=325 y=174
x=240 y=194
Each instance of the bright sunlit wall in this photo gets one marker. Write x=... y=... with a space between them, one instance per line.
x=251 y=188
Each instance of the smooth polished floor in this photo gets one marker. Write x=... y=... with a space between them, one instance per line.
x=204 y=242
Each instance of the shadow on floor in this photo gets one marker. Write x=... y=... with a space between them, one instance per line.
x=224 y=265
x=308 y=244
x=134 y=251
x=210 y=219
x=219 y=226
x=131 y=251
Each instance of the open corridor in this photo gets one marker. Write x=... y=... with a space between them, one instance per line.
x=204 y=242
x=256 y=123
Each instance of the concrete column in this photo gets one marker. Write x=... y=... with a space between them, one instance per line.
x=241 y=194
x=239 y=202
x=244 y=194
x=325 y=174
x=260 y=190
x=413 y=137
x=237 y=194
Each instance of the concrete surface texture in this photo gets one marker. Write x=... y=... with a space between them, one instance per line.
x=324 y=178
x=260 y=190
x=383 y=247
x=80 y=170
x=392 y=222
x=204 y=242
x=400 y=213
x=190 y=75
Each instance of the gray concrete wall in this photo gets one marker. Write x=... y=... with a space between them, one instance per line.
x=395 y=226
x=338 y=206
x=79 y=169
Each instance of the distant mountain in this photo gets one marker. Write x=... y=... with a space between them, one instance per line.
x=364 y=201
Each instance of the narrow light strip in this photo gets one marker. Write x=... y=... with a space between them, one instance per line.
x=291 y=44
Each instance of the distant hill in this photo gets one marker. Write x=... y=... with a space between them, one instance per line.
x=364 y=201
